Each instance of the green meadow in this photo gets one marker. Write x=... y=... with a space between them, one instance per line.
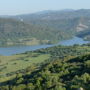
x=10 y=64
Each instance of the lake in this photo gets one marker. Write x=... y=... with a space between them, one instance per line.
x=7 y=51
x=73 y=41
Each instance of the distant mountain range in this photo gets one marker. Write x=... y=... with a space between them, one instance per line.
x=56 y=14
x=44 y=27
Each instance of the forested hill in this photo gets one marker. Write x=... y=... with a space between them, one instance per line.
x=15 y=32
x=67 y=68
x=44 y=27
x=56 y=18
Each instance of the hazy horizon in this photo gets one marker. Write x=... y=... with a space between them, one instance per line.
x=41 y=11
x=17 y=7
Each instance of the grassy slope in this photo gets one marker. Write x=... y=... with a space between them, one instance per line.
x=70 y=72
x=14 y=63
x=9 y=65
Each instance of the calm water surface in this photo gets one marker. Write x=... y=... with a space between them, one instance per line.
x=21 y=49
x=73 y=41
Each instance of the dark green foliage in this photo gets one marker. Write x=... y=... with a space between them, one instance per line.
x=63 y=51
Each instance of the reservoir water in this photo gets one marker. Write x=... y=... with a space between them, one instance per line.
x=21 y=49
x=74 y=40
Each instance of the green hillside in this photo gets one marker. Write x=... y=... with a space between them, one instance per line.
x=44 y=28
x=55 y=68
x=15 y=32
x=78 y=20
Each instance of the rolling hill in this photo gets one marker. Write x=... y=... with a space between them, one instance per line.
x=44 y=27
x=50 y=69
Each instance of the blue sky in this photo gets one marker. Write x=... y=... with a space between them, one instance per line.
x=13 y=7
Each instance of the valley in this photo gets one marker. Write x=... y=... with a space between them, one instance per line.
x=48 y=50
x=12 y=50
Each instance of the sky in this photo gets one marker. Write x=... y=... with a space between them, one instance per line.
x=14 y=7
